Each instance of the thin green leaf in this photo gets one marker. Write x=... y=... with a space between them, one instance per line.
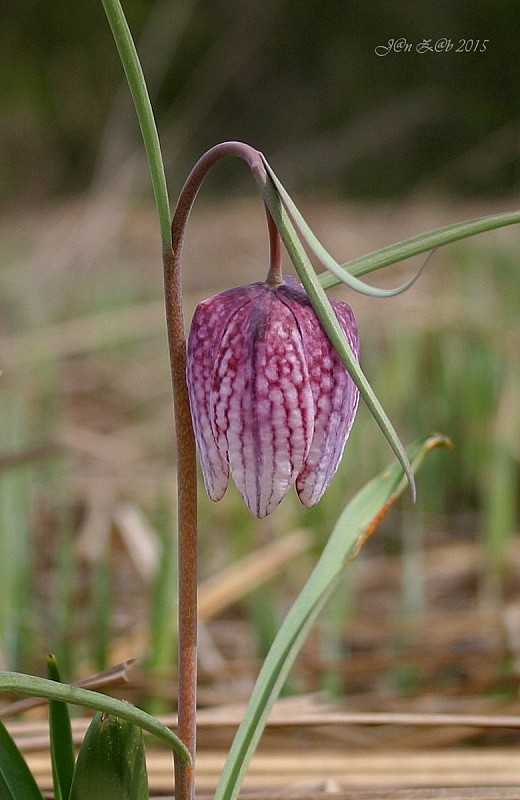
x=420 y=244
x=61 y=743
x=143 y=107
x=328 y=319
x=111 y=762
x=357 y=522
x=41 y=687
x=16 y=780
x=323 y=256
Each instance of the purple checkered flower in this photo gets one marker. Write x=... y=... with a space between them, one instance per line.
x=271 y=400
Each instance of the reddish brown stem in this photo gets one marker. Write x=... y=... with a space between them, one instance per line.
x=187 y=478
x=186 y=525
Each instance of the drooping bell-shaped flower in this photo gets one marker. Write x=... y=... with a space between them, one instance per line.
x=271 y=400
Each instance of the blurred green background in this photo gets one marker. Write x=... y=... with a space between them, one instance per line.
x=297 y=79
x=374 y=149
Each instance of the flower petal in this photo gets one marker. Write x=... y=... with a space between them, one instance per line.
x=270 y=398
x=335 y=394
x=262 y=401
x=207 y=329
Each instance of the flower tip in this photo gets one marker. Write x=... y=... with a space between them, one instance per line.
x=413 y=487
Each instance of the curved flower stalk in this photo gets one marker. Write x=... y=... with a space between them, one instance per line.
x=280 y=228
x=271 y=400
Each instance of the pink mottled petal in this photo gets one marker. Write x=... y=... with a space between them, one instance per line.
x=335 y=399
x=270 y=398
x=207 y=329
x=262 y=401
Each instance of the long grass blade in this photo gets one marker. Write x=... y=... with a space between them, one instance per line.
x=16 y=780
x=357 y=522
x=41 y=687
x=61 y=743
x=416 y=245
x=328 y=319
x=137 y=84
x=325 y=259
